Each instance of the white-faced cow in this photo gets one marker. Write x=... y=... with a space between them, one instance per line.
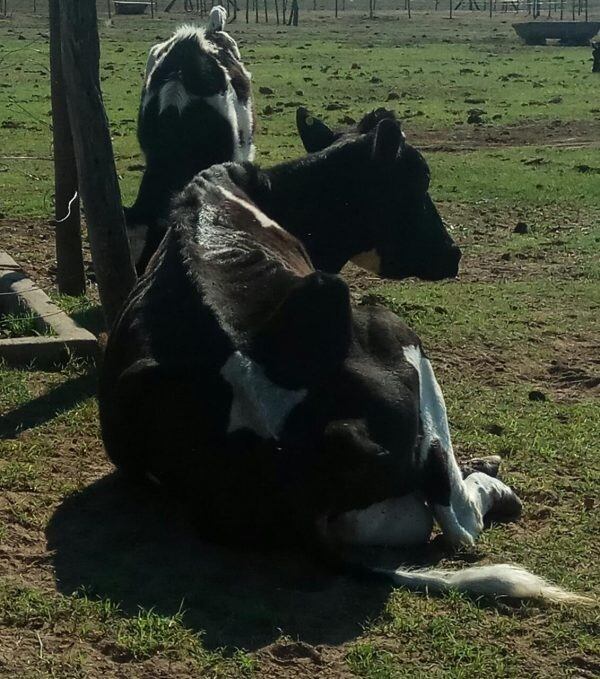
x=195 y=111
x=244 y=383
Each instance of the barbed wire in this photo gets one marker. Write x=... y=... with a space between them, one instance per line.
x=32 y=289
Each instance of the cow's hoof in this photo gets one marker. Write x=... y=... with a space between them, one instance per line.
x=490 y=465
x=497 y=502
x=507 y=507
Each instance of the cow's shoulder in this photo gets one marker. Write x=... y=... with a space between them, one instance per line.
x=381 y=334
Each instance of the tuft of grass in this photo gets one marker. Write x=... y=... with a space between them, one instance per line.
x=83 y=310
x=367 y=660
x=18 y=476
x=23 y=324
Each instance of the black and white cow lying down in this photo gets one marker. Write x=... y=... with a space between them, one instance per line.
x=195 y=111
x=244 y=383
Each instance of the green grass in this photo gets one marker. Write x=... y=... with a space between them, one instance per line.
x=83 y=310
x=21 y=324
x=511 y=321
x=532 y=176
x=438 y=74
x=138 y=638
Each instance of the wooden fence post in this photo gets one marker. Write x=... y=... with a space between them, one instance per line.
x=69 y=257
x=98 y=181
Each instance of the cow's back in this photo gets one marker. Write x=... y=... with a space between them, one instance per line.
x=165 y=405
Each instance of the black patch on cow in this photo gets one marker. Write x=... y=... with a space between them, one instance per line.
x=370 y=121
x=179 y=144
x=436 y=475
x=198 y=71
x=314 y=133
x=314 y=325
x=403 y=226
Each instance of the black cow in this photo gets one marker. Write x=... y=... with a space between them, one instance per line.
x=596 y=57
x=195 y=111
x=419 y=245
x=244 y=383
x=365 y=197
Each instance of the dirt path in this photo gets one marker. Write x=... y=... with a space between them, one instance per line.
x=554 y=133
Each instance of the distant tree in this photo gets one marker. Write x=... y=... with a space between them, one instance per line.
x=293 y=18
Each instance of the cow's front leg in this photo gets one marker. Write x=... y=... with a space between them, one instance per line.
x=461 y=505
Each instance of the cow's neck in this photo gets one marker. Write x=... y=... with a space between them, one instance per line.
x=317 y=204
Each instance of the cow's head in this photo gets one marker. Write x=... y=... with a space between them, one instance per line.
x=405 y=235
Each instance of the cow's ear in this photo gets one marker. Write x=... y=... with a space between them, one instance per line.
x=388 y=142
x=309 y=334
x=315 y=135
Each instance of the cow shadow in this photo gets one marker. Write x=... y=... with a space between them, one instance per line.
x=120 y=541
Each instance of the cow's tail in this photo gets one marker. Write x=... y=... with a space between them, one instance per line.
x=499 y=580
x=216 y=19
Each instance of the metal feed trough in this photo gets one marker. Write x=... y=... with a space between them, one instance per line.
x=130 y=7
x=568 y=32
x=18 y=293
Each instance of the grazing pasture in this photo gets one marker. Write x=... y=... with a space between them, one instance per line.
x=101 y=579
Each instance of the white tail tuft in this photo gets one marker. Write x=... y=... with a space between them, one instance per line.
x=216 y=19
x=497 y=580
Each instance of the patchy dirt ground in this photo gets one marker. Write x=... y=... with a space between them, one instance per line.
x=555 y=133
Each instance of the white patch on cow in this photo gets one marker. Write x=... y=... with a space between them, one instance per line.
x=245 y=129
x=259 y=216
x=368 y=260
x=486 y=491
x=153 y=55
x=173 y=93
x=432 y=407
x=395 y=522
x=462 y=520
x=232 y=46
x=216 y=19
x=258 y=404
x=224 y=104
